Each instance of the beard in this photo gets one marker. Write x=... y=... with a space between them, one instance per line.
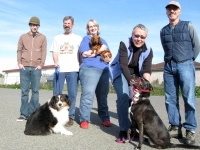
x=67 y=29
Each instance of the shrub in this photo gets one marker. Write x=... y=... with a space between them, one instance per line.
x=158 y=90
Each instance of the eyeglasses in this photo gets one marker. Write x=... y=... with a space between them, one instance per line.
x=139 y=36
x=92 y=26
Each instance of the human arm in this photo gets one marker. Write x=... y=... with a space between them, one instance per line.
x=147 y=64
x=161 y=38
x=55 y=58
x=19 y=53
x=85 y=48
x=194 y=39
x=147 y=76
x=43 y=53
x=55 y=49
x=88 y=54
x=123 y=61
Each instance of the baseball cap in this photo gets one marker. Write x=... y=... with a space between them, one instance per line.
x=174 y=3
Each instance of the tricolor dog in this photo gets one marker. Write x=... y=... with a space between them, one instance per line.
x=50 y=117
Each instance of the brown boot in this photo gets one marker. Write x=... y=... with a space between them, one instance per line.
x=70 y=122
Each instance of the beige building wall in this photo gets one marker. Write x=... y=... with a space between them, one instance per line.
x=158 y=75
x=14 y=77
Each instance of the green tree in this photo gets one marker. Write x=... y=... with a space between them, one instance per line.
x=1 y=75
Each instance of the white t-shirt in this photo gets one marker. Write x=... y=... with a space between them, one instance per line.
x=67 y=48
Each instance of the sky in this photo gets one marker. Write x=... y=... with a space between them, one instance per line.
x=116 y=19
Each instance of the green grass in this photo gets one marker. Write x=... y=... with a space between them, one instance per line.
x=158 y=90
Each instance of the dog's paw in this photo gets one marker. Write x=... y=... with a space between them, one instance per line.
x=67 y=133
x=136 y=148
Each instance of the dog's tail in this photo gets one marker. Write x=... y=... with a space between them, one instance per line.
x=172 y=145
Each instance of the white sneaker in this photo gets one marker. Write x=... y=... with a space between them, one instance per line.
x=21 y=118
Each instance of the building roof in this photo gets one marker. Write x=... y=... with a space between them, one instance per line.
x=14 y=70
x=155 y=67
x=160 y=66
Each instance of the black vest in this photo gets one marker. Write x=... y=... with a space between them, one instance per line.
x=177 y=42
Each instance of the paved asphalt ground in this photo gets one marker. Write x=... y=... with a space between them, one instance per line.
x=97 y=137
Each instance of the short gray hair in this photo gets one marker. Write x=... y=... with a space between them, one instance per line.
x=141 y=26
x=68 y=17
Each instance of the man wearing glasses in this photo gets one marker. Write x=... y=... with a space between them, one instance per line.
x=31 y=55
x=181 y=47
x=134 y=58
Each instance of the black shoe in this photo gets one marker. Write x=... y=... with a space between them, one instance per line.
x=190 y=138
x=175 y=132
x=122 y=137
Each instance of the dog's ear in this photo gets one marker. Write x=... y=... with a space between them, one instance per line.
x=67 y=99
x=91 y=41
x=150 y=87
x=99 y=40
x=147 y=84
x=52 y=101
x=66 y=96
x=134 y=81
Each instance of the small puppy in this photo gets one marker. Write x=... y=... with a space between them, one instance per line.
x=50 y=117
x=95 y=43
x=144 y=118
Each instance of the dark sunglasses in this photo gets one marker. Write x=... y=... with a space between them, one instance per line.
x=139 y=36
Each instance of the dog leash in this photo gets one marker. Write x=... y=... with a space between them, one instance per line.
x=139 y=86
x=57 y=78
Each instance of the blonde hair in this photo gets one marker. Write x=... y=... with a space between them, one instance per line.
x=95 y=22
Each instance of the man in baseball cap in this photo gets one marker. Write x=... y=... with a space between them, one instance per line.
x=181 y=47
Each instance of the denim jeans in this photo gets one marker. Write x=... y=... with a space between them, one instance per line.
x=72 y=88
x=122 y=90
x=27 y=77
x=183 y=75
x=94 y=81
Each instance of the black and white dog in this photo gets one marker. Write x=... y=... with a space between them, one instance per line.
x=50 y=117
x=144 y=118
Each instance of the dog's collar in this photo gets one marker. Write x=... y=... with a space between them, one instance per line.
x=135 y=100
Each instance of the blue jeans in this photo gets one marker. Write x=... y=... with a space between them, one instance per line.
x=183 y=75
x=94 y=81
x=72 y=88
x=122 y=90
x=27 y=77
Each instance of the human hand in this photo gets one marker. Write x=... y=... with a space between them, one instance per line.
x=21 y=66
x=88 y=54
x=103 y=47
x=38 y=67
x=55 y=64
